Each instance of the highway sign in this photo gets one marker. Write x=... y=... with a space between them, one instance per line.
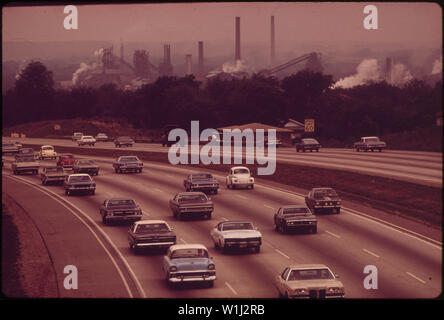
x=309 y=125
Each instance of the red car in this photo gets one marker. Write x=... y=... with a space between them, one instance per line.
x=66 y=161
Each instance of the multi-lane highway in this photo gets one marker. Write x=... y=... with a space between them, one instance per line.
x=418 y=167
x=408 y=260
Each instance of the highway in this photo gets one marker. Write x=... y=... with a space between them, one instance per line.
x=409 y=262
x=417 y=167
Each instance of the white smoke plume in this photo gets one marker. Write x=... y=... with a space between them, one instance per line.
x=83 y=68
x=238 y=66
x=437 y=66
x=369 y=71
x=21 y=67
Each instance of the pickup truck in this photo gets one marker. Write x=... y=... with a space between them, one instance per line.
x=25 y=164
x=369 y=143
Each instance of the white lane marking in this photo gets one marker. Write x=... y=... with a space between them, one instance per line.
x=125 y=262
x=158 y=190
x=181 y=239
x=231 y=288
x=242 y=197
x=267 y=206
x=223 y=218
x=333 y=234
x=88 y=227
x=369 y=252
x=415 y=277
x=281 y=253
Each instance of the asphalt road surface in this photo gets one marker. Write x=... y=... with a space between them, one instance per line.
x=409 y=262
x=418 y=167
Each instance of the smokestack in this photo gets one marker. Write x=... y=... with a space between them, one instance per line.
x=389 y=70
x=121 y=49
x=200 y=67
x=188 y=64
x=272 y=50
x=237 y=48
x=167 y=54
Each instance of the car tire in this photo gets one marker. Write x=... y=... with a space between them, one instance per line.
x=303 y=149
x=252 y=186
x=93 y=192
x=115 y=170
x=338 y=211
x=281 y=229
x=380 y=150
x=317 y=150
x=257 y=249
x=104 y=221
x=314 y=230
x=67 y=192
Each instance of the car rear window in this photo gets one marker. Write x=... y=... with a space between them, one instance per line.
x=80 y=179
x=296 y=211
x=201 y=176
x=310 y=141
x=319 y=194
x=129 y=159
x=189 y=253
x=152 y=228
x=241 y=171
x=237 y=226
x=192 y=198
x=55 y=169
x=120 y=202
x=310 y=274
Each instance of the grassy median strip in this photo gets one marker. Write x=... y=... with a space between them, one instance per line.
x=417 y=201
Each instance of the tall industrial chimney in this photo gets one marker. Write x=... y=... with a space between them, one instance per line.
x=200 y=66
x=273 y=48
x=121 y=49
x=188 y=64
x=237 y=55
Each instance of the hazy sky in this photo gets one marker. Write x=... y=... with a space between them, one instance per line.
x=405 y=23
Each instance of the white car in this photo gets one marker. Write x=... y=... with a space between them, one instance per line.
x=315 y=281
x=236 y=234
x=47 y=152
x=86 y=140
x=76 y=136
x=240 y=177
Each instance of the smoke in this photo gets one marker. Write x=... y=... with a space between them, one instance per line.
x=437 y=66
x=98 y=52
x=83 y=68
x=238 y=66
x=21 y=67
x=370 y=71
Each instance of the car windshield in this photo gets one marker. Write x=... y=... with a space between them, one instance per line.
x=124 y=138
x=296 y=211
x=319 y=194
x=67 y=157
x=87 y=137
x=129 y=159
x=192 y=198
x=241 y=171
x=189 y=253
x=310 y=274
x=55 y=169
x=372 y=139
x=26 y=159
x=80 y=179
x=201 y=176
x=120 y=202
x=310 y=141
x=83 y=162
x=237 y=226
x=152 y=228
x=47 y=148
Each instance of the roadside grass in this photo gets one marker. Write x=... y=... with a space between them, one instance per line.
x=412 y=200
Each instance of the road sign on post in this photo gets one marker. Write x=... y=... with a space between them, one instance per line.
x=309 y=125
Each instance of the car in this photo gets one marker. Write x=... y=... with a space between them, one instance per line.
x=47 y=152
x=151 y=234
x=86 y=140
x=201 y=182
x=25 y=152
x=18 y=144
x=239 y=177
x=369 y=143
x=191 y=203
x=295 y=217
x=25 y=163
x=52 y=174
x=188 y=263
x=128 y=163
x=76 y=136
x=323 y=199
x=86 y=166
x=101 y=137
x=9 y=148
x=120 y=209
x=79 y=183
x=309 y=281
x=236 y=234
x=308 y=144
x=123 y=141
x=66 y=160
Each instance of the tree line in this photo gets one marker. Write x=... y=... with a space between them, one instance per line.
x=370 y=109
